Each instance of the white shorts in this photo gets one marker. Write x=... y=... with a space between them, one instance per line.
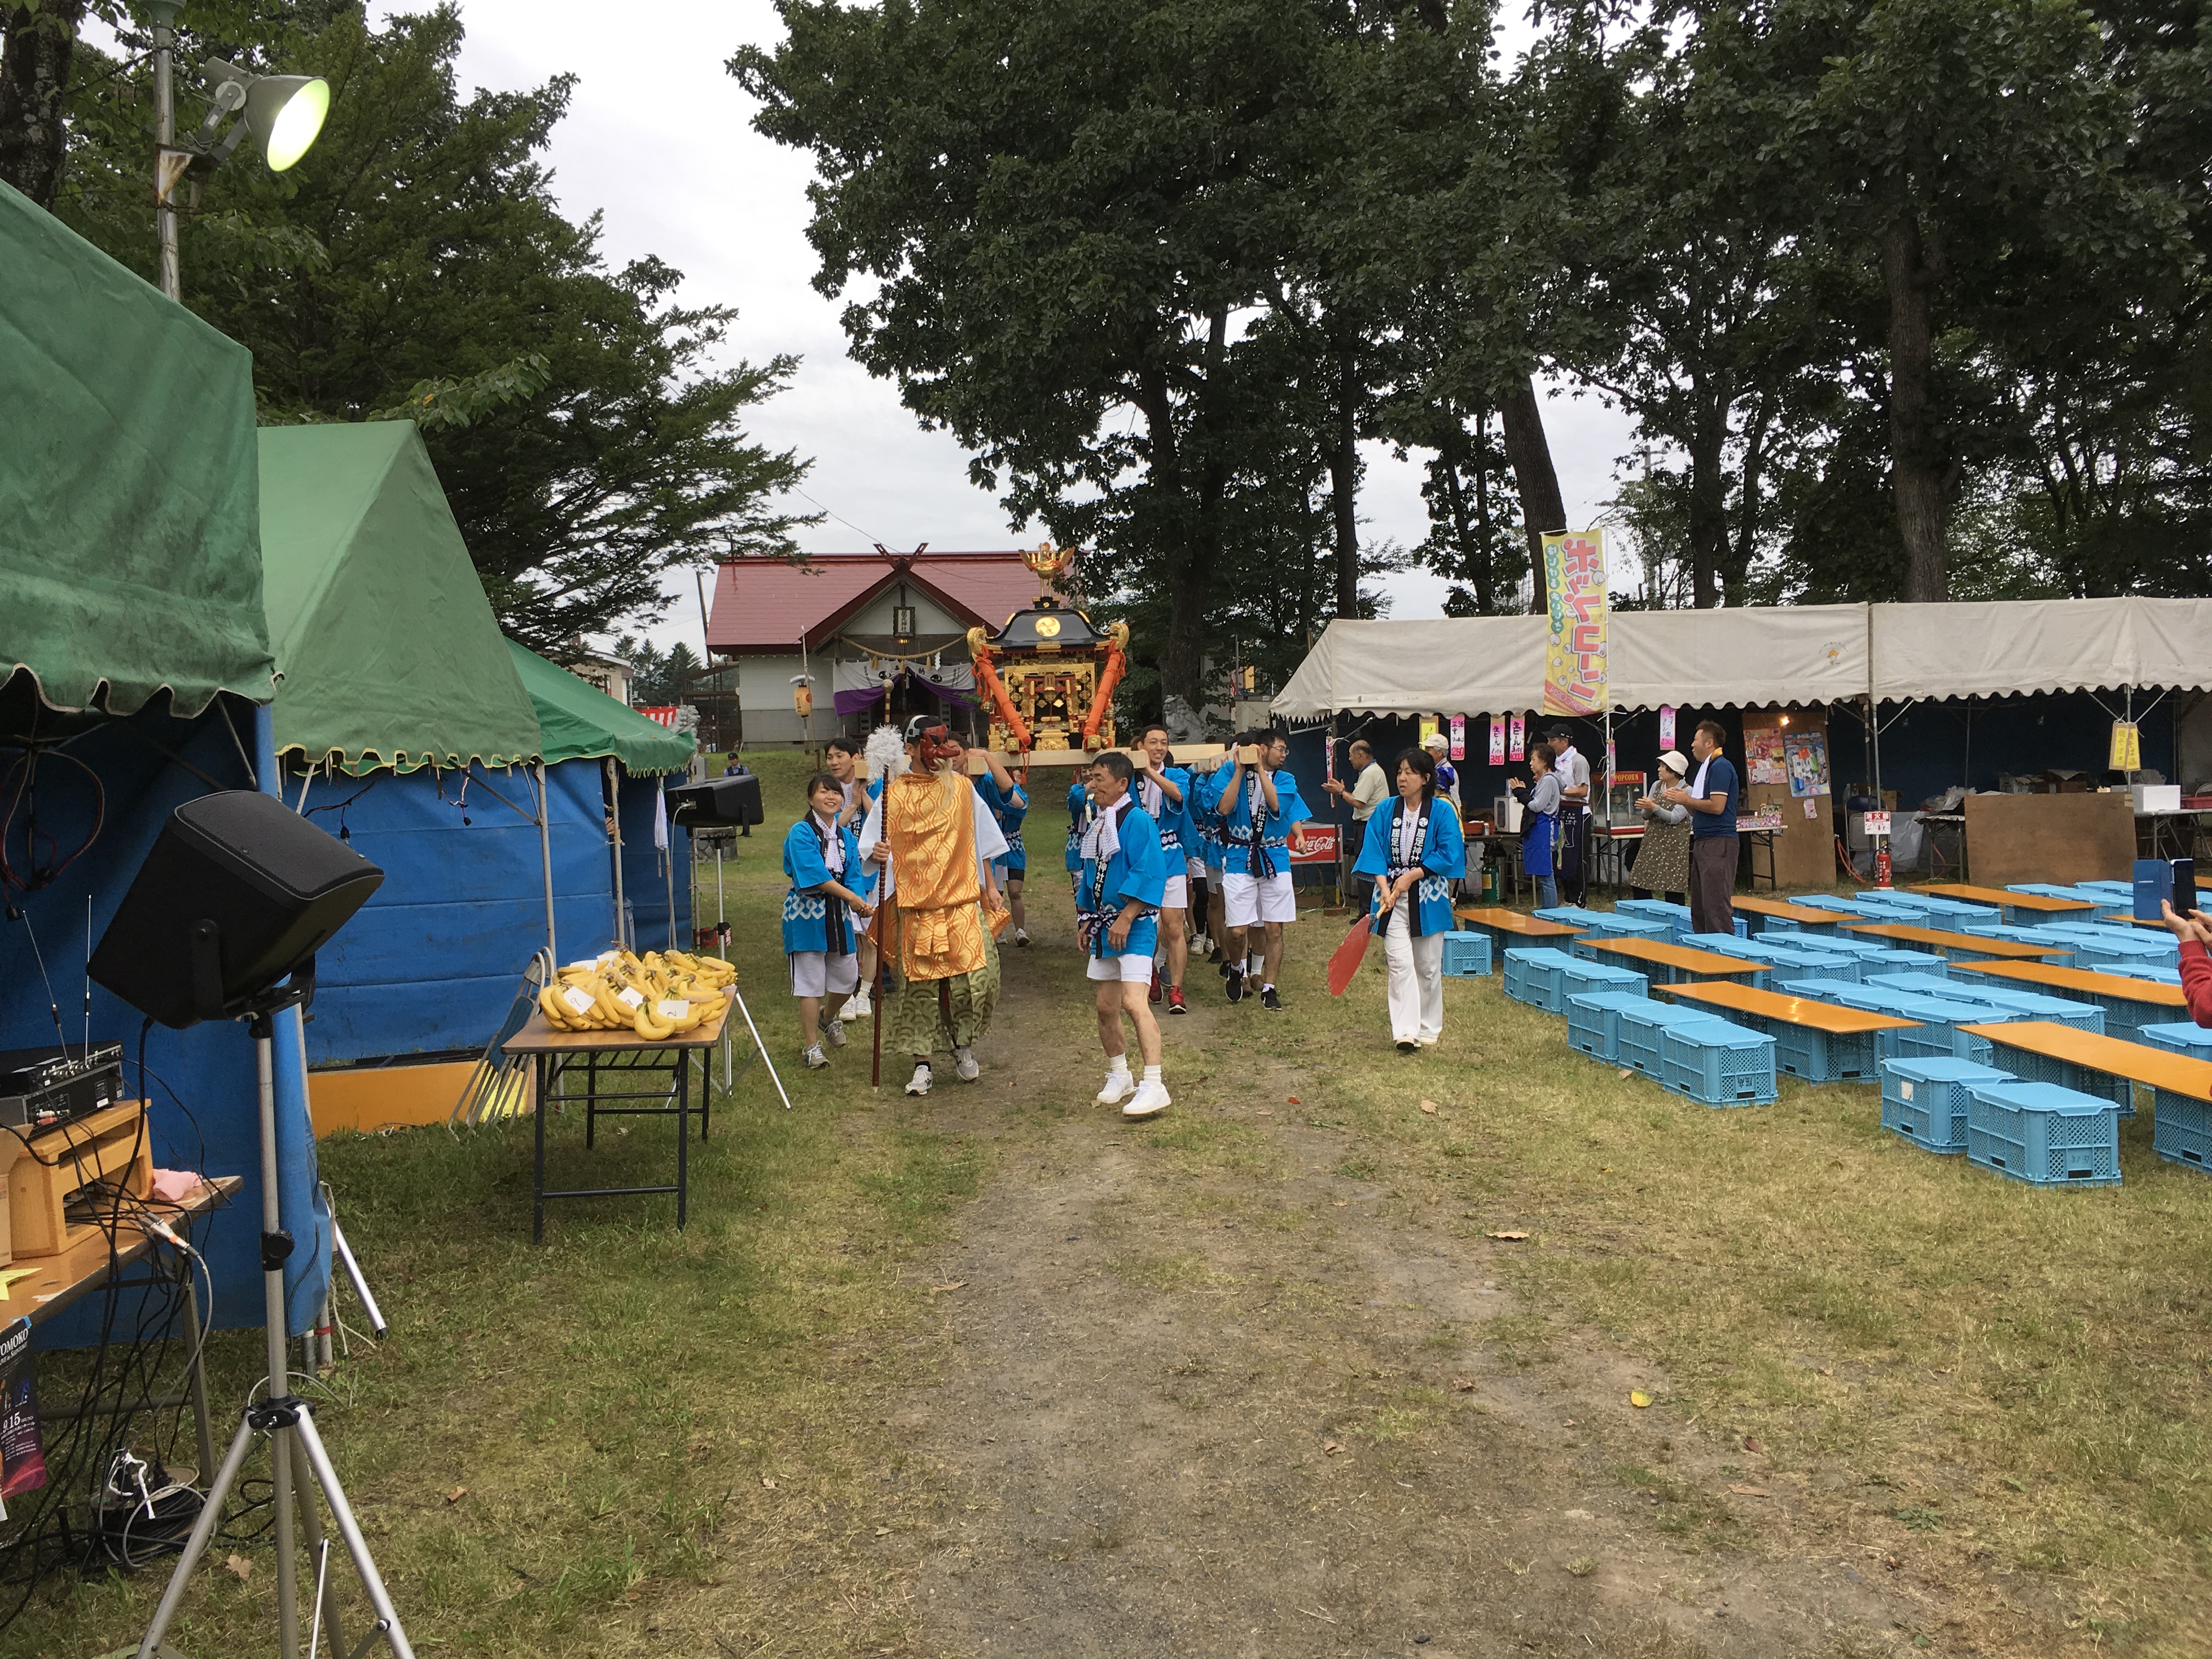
x=1195 y=868
x=1176 y=894
x=1130 y=970
x=1248 y=899
x=819 y=974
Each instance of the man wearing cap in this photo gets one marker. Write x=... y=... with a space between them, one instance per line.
x=1574 y=813
x=1439 y=746
x=1366 y=791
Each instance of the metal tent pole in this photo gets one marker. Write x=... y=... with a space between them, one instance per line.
x=545 y=857
x=668 y=863
x=614 y=822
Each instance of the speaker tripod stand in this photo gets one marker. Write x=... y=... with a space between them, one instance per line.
x=288 y=1424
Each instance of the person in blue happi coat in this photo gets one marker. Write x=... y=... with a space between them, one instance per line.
x=1079 y=813
x=822 y=856
x=1163 y=790
x=1117 y=901
x=1010 y=802
x=1262 y=816
x=1413 y=852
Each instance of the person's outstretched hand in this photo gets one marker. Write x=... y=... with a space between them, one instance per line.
x=2194 y=926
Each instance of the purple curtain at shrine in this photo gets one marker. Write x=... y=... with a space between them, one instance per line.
x=860 y=700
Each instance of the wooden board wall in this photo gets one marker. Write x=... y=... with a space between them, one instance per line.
x=1805 y=851
x=2053 y=838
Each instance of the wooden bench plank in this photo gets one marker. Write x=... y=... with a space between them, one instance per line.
x=1504 y=920
x=1784 y=910
x=1794 y=1010
x=1941 y=939
x=1683 y=958
x=2082 y=981
x=2138 y=1062
x=2004 y=896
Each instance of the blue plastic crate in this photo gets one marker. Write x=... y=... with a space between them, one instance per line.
x=1611 y=923
x=2155 y=975
x=1718 y=1063
x=2117 y=1091
x=1675 y=915
x=1580 y=978
x=1594 y=1022
x=2044 y=1134
x=1903 y=962
x=1639 y=1030
x=1821 y=1057
x=1467 y=955
x=1573 y=915
x=1997 y=993
x=1536 y=982
x=2182 y=1132
x=1770 y=924
x=2178 y=1037
x=1925 y=1100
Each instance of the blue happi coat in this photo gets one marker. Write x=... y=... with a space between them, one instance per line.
x=1009 y=809
x=1263 y=849
x=1442 y=854
x=1173 y=821
x=1203 y=809
x=1079 y=820
x=1138 y=870
x=814 y=920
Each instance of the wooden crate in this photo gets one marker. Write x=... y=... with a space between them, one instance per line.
x=111 y=1143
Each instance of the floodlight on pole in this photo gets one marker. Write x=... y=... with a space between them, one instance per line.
x=283 y=114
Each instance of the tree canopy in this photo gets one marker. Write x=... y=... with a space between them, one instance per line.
x=1904 y=297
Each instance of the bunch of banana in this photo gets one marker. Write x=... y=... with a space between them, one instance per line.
x=656 y=996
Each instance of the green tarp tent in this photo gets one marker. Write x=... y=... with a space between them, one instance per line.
x=578 y=721
x=388 y=650
x=129 y=554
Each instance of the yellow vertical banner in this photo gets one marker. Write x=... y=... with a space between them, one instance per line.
x=2127 y=748
x=1574 y=650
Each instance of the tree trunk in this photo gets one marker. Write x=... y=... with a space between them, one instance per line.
x=34 y=72
x=1194 y=534
x=1344 y=483
x=1470 y=539
x=1735 y=579
x=1707 y=504
x=1542 y=508
x=1923 y=473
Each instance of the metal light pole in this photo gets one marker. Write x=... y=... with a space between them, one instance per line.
x=169 y=163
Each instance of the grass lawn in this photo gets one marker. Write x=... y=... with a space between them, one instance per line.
x=634 y=1441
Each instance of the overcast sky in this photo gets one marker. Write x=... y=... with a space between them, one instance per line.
x=659 y=139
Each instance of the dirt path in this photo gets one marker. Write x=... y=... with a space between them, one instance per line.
x=1209 y=1392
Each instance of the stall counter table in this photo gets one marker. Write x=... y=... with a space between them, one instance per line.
x=49 y=1284
x=617 y=1054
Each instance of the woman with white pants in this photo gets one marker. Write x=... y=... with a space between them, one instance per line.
x=1414 y=850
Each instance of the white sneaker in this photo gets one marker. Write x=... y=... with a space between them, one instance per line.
x=1201 y=946
x=964 y=1065
x=1120 y=1085
x=918 y=1083
x=815 y=1059
x=1021 y=936
x=836 y=1034
x=1150 y=1101
x=857 y=1006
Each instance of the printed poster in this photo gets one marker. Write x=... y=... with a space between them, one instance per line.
x=1574 y=651
x=1459 y=737
x=22 y=1458
x=2127 y=747
x=1428 y=727
x=1809 y=766
x=1497 y=740
x=1666 y=727
x=1765 y=754
x=1517 y=742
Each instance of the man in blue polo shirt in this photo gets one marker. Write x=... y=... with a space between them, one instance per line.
x=1710 y=796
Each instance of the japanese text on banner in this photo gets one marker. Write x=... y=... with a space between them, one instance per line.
x=1574 y=651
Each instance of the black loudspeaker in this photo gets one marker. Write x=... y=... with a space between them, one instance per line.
x=239 y=891
x=717 y=804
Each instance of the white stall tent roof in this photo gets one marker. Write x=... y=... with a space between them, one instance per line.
x=2010 y=646
x=1758 y=656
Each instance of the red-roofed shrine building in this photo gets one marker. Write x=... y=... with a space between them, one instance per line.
x=883 y=635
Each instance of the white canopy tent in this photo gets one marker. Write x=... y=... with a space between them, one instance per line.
x=1757 y=656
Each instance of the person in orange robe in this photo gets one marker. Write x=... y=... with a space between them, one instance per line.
x=934 y=836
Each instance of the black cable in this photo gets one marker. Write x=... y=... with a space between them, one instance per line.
x=23 y=776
